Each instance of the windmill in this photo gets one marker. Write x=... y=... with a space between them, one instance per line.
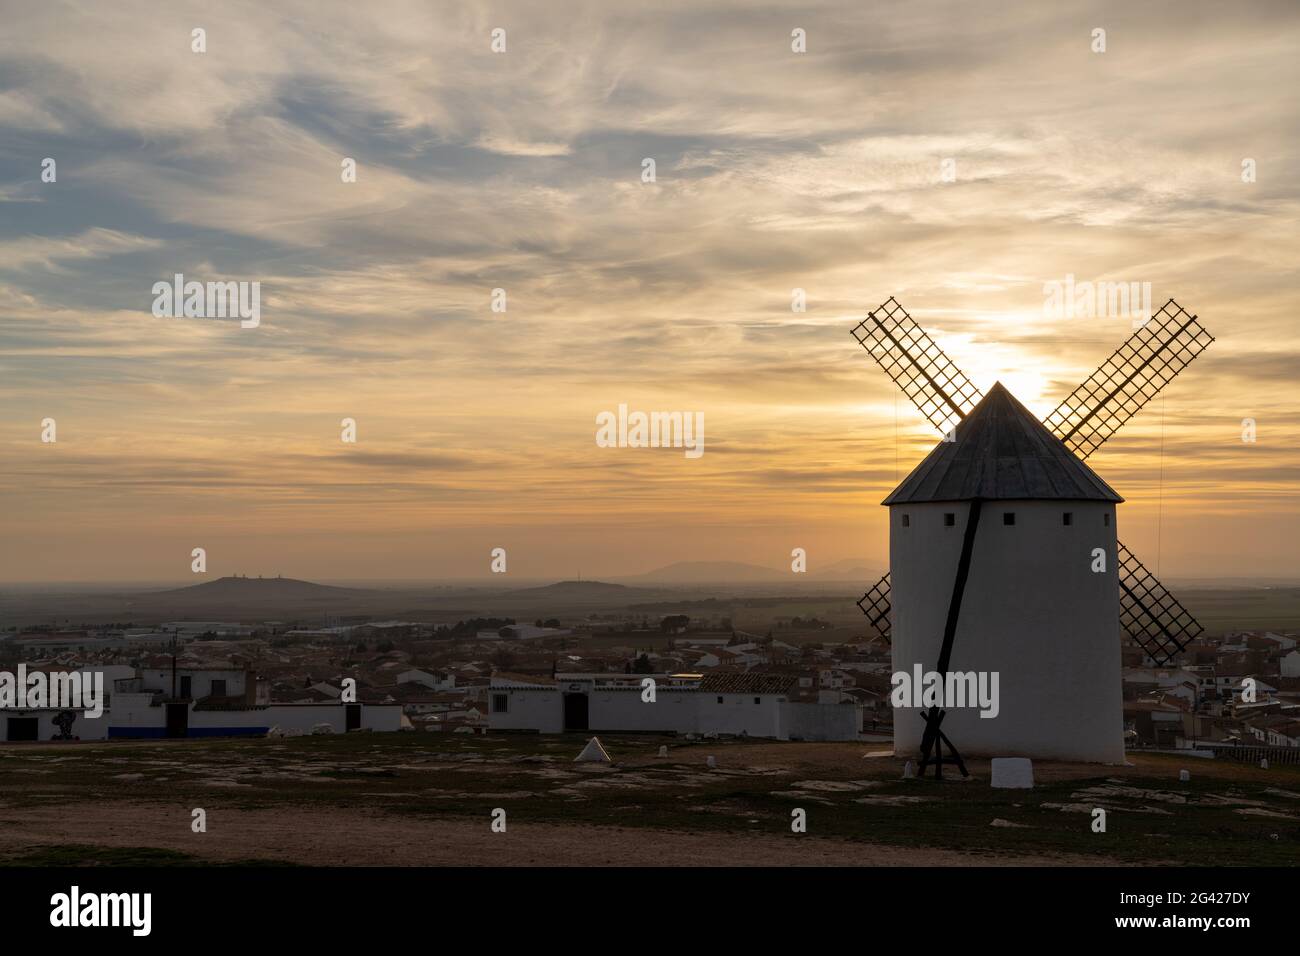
x=995 y=452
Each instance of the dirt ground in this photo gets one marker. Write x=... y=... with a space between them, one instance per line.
x=338 y=837
x=427 y=800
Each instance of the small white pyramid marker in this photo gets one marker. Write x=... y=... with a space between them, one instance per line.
x=663 y=750
x=593 y=752
x=712 y=762
x=909 y=771
x=1184 y=776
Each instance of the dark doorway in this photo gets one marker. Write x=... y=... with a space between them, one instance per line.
x=575 y=711
x=178 y=720
x=353 y=717
x=187 y=685
x=23 y=728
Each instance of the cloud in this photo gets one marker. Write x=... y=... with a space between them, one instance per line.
x=50 y=252
x=522 y=171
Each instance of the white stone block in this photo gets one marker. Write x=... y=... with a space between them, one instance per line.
x=1013 y=773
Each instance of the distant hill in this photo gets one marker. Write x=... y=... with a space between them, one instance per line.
x=261 y=590
x=709 y=572
x=244 y=599
x=850 y=569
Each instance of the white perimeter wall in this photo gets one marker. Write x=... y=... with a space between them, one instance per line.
x=134 y=710
x=821 y=721
x=739 y=714
x=673 y=711
x=682 y=712
x=541 y=710
x=84 y=728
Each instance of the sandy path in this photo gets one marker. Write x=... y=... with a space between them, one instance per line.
x=343 y=837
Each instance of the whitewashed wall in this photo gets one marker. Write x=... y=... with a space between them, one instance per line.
x=1033 y=611
x=801 y=721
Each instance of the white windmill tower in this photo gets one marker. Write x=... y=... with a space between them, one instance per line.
x=994 y=540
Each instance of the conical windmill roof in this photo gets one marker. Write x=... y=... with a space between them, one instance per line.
x=1001 y=451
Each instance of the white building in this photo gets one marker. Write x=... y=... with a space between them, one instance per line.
x=1291 y=664
x=207 y=703
x=1006 y=506
x=753 y=705
x=1281 y=640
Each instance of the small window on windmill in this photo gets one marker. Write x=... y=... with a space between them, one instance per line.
x=949 y=519
x=1067 y=517
x=719 y=700
x=1008 y=517
x=1105 y=519
x=907 y=521
x=756 y=700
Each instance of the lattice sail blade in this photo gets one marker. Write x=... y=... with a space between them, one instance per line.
x=917 y=365
x=1149 y=614
x=875 y=605
x=1147 y=361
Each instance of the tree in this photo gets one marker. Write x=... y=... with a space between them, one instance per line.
x=643 y=665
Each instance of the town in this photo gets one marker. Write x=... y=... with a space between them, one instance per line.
x=733 y=667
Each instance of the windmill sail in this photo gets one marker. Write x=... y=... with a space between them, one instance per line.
x=1149 y=614
x=1114 y=393
x=917 y=365
x=1144 y=364
x=875 y=605
x=1147 y=361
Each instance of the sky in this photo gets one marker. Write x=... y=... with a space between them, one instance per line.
x=522 y=170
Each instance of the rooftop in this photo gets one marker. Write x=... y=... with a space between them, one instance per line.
x=748 y=683
x=1001 y=451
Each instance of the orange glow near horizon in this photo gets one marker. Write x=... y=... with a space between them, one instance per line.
x=476 y=429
